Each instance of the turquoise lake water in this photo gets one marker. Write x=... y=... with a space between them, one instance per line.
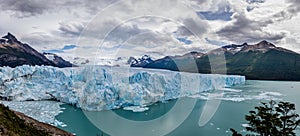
x=234 y=105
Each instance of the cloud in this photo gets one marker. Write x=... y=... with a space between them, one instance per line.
x=150 y=40
x=69 y=47
x=157 y=31
x=252 y=4
x=39 y=39
x=291 y=11
x=142 y=26
x=256 y=25
x=215 y=42
x=184 y=40
x=183 y=31
x=54 y=51
x=198 y=2
x=255 y=1
x=124 y=32
x=96 y=5
x=71 y=28
x=207 y=5
x=61 y=50
x=223 y=13
x=242 y=29
x=197 y=28
x=43 y=41
x=25 y=8
x=29 y=8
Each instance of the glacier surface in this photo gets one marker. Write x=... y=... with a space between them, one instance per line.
x=97 y=88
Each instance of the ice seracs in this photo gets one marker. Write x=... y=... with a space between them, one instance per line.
x=98 y=88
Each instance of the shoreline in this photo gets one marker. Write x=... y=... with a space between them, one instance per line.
x=14 y=122
x=52 y=130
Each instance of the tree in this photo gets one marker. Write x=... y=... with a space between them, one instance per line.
x=235 y=133
x=272 y=119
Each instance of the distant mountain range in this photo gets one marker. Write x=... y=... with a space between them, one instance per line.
x=115 y=62
x=261 y=61
x=15 y=53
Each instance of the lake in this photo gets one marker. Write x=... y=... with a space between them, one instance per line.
x=169 y=118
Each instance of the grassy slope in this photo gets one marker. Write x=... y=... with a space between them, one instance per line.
x=12 y=125
x=272 y=65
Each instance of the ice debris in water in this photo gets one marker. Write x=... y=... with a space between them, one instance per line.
x=136 y=108
x=43 y=111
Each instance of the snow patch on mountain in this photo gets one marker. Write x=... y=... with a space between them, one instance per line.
x=50 y=56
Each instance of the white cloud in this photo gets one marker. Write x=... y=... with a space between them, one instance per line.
x=71 y=28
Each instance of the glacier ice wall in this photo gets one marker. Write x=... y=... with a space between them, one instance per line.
x=98 y=88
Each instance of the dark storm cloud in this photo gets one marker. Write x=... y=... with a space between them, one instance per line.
x=243 y=29
x=195 y=27
x=25 y=8
x=28 y=8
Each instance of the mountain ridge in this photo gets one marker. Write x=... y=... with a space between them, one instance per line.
x=261 y=61
x=15 y=53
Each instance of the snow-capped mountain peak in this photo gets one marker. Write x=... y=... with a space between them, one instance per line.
x=262 y=46
x=142 y=61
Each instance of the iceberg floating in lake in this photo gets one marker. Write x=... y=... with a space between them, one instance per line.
x=98 y=88
x=136 y=108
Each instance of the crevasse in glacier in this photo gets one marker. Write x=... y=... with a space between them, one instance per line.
x=98 y=88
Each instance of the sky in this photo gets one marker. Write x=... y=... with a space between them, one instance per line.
x=102 y=29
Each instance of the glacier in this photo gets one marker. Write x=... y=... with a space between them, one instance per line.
x=96 y=88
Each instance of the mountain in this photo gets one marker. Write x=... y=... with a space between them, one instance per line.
x=59 y=61
x=116 y=62
x=261 y=61
x=15 y=53
x=80 y=61
x=140 y=62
